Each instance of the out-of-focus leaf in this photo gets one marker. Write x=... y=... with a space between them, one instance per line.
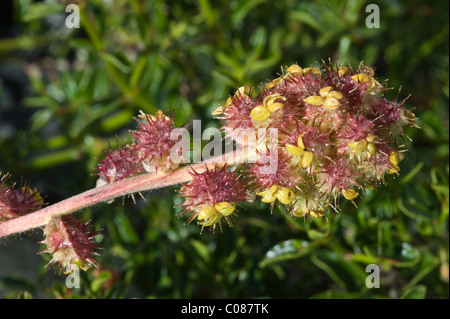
x=125 y=229
x=346 y=274
x=289 y=249
x=201 y=249
x=54 y=158
x=17 y=283
x=42 y=10
x=100 y=280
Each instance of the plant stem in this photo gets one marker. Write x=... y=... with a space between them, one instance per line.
x=131 y=185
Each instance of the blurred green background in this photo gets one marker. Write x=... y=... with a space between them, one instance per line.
x=64 y=93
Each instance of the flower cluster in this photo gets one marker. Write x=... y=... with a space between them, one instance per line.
x=70 y=243
x=212 y=195
x=15 y=202
x=149 y=151
x=337 y=135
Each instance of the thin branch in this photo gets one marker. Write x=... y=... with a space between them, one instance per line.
x=140 y=183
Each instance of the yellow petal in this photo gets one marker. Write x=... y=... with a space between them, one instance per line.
x=285 y=195
x=219 y=110
x=206 y=212
x=260 y=113
x=270 y=85
x=394 y=158
x=294 y=150
x=314 y=100
x=371 y=148
x=225 y=208
x=316 y=214
x=270 y=99
x=295 y=69
x=300 y=141
x=369 y=70
x=358 y=146
x=311 y=70
x=349 y=194
x=269 y=194
x=370 y=137
x=307 y=159
x=241 y=91
x=331 y=103
x=211 y=221
x=269 y=191
x=361 y=77
x=325 y=91
x=342 y=70
x=275 y=106
x=336 y=94
x=394 y=170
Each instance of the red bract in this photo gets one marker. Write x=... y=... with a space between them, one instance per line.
x=70 y=243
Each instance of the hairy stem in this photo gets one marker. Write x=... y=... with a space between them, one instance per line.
x=120 y=188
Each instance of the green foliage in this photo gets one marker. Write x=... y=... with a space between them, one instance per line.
x=86 y=85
